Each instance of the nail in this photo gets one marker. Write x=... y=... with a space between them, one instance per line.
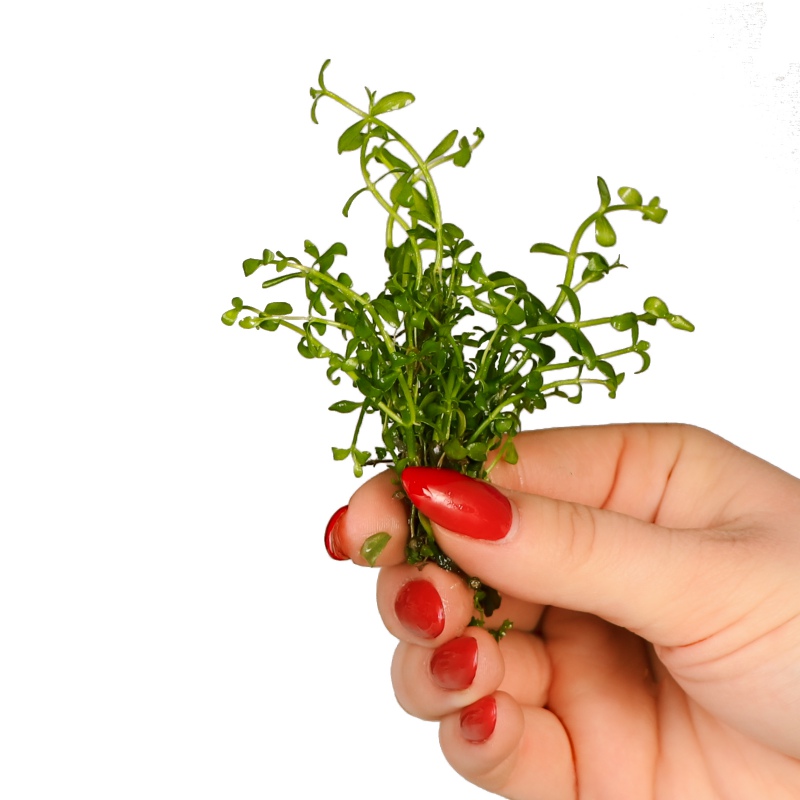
x=419 y=608
x=478 y=720
x=459 y=503
x=454 y=664
x=331 y=542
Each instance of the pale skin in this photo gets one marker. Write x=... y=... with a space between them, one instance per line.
x=653 y=576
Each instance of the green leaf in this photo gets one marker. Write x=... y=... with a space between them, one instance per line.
x=278 y=309
x=422 y=208
x=454 y=450
x=654 y=212
x=402 y=193
x=629 y=196
x=373 y=546
x=657 y=307
x=250 y=265
x=345 y=406
x=477 y=451
x=346 y=209
x=392 y=102
x=326 y=259
x=340 y=453
x=604 y=233
x=310 y=248
x=572 y=297
x=464 y=154
x=352 y=138
x=605 y=195
x=624 y=322
x=679 y=322
x=443 y=146
x=387 y=311
x=229 y=317
x=543 y=247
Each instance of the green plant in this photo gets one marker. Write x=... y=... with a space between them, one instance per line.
x=449 y=354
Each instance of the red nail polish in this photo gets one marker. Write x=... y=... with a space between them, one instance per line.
x=419 y=608
x=331 y=542
x=459 y=503
x=478 y=720
x=454 y=664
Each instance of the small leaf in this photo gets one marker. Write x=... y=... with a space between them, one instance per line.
x=679 y=322
x=572 y=297
x=392 y=102
x=624 y=322
x=657 y=307
x=310 y=248
x=250 y=265
x=455 y=450
x=387 y=311
x=464 y=154
x=373 y=546
x=443 y=146
x=352 y=138
x=229 y=317
x=340 y=453
x=605 y=195
x=543 y=247
x=629 y=196
x=278 y=309
x=604 y=233
x=345 y=406
x=346 y=209
x=477 y=451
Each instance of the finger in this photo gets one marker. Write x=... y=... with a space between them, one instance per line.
x=663 y=583
x=431 y=683
x=674 y=475
x=519 y=752
x=374 y=508
x=425 y=606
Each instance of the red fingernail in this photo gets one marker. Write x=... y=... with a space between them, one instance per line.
x=459 y=503
x=454 y=664
x=331 y=542
x=478 y=720
x=419 y=608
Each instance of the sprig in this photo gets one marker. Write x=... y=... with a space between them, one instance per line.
x=450 y=354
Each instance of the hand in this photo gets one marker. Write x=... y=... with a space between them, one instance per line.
x=652 y=573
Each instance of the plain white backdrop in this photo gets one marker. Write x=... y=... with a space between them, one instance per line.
x=170 y=625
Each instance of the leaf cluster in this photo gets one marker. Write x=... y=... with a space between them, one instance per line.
x=451 y=353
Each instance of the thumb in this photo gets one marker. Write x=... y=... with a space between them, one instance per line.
x=665 y=584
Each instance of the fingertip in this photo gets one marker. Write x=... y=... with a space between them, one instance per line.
x=506 y=748
x=372 y=529
x=480 y=740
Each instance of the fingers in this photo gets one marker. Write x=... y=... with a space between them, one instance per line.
x=663 y=583
x=489 y=697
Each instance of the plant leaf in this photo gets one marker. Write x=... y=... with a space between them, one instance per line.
x=543 y=247
x=345 y=406
x=392 y=102
x=443 y=146
x=373 y=546
x=604 y=233
x=352 y=138
x=629 y=196
x=605 y=195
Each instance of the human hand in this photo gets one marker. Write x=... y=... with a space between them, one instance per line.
x=652 y=573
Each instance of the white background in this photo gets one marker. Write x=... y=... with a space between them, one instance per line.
x=170 y=624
